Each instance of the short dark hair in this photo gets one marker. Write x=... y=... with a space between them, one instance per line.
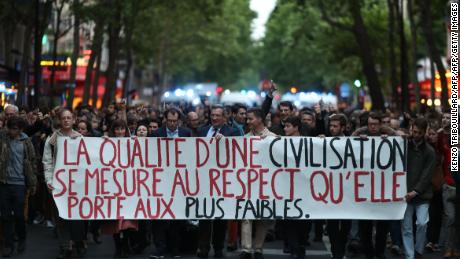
x=295 y=121
x=173 y=111
x=421 y=124
x=257 y=112
x=286 y=103
x=340 y=117
x=376 y=116
x=131 y=120
x=16 y=121
x=307 y=111
x=217 y=106
x=237 y=106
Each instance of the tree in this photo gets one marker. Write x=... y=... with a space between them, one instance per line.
x=58 y=32
x=75 y=52
x=413 y=29
x=392 y=55
x=42 y=12
x=403 y=58
x=113 y=29
x=194 y=41
x=435 y=55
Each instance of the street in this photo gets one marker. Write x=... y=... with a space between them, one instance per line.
x=42 y=243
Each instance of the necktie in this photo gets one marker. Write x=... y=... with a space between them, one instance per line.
x=215 y=132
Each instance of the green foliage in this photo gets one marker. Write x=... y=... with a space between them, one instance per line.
x=195 y=40
x=301 y=49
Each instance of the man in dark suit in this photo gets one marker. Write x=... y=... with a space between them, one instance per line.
x=164 y=229
x=172 y=130
x=217 y=129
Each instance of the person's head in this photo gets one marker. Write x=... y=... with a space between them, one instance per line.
x=15 y=125
x=363 y=118
x=255 y=118
x=132 y=123
x=395 y=124
x=217 y=116
x=141 y=130
x=285 y=108
x=337 y=124
x=432 y=133
x=95 y=123
x=386 y=119
x=308 y=117
x=153 y=114
x=374 y=123
x=292 y=126
x=239 y=113
x=66 y=119
x=172 y=116
x=84 y=128
x=11 y=110
x=119 y=129
x=418 y=129
x=32 y=116
x=192 y=120
x=153 y=125
x=23 y=112
x=111 y=109
x=445 y=122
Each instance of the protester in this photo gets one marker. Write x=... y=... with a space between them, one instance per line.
x=448 y=190
x=420 y=164
x=214 y=228
x=70 y=232
x=17 y=176
x=238 y=119
x=436 y=208
x=338 y=230
x=374 y=128
x=193 y=123
x=169 y=230
x=297 y=234
x=255 y=122
x=121 y=229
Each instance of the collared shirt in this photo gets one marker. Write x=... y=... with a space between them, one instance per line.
x=172 y=134
x=212 y=132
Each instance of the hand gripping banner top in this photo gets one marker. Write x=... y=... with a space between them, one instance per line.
x=231 y=178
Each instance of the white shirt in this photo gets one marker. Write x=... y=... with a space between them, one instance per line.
x=211 y=131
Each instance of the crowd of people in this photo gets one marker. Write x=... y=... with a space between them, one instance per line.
x=28 y=153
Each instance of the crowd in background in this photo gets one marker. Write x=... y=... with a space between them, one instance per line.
x=28 y=136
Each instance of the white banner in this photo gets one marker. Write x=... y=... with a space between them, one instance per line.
x=233 y=178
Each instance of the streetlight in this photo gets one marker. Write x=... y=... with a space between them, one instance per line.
x=357 y=83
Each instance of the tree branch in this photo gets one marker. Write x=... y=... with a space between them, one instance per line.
x=330 y=21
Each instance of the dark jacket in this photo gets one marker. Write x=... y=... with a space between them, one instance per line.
x=162 y=133
x=224 y=130
x=421 y=161
x=29 y=165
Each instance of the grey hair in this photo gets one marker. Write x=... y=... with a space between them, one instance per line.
x=12 y=106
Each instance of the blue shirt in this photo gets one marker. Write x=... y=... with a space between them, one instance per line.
x=172 y=134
